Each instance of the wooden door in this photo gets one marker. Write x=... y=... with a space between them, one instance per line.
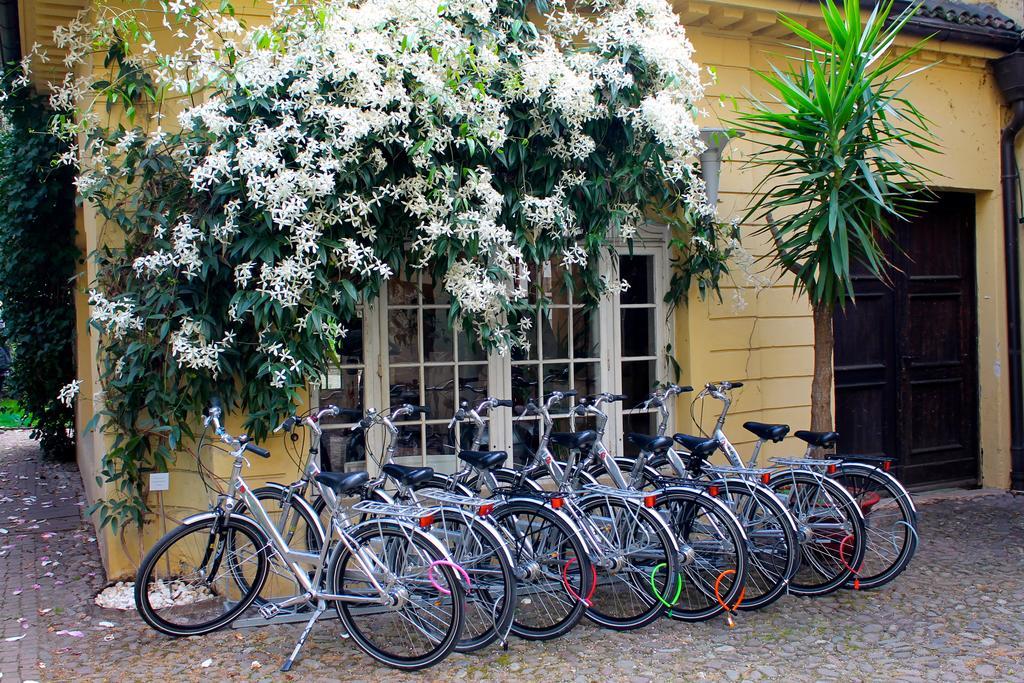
x=905 y=358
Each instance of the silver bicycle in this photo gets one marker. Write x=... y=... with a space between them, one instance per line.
x=396 y=590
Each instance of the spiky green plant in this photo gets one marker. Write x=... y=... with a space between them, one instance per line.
x=835 y=134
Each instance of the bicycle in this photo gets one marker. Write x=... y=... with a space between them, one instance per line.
x=632 y=549
x=830 y=524
x=476 y=533
x=769 y=531
x=393 y=586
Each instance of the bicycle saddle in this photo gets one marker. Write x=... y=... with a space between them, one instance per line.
x=650 y=444
x=484 y=460
x=698 y=446
x=819 y=439
x=765 y=431
x=343 y=482
x=574 y=439
x=410 y=476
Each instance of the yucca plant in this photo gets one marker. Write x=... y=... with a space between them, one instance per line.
x=835 y=133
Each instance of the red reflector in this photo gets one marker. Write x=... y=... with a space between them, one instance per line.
x=426 y=521
x=831 y=469
x=713 y=491
x=650 y=500
x=556 y=503
x=887 y=465
x=766 y=477
x=485 y=510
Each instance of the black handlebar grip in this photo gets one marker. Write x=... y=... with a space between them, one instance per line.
x=253 y=448
x=505 y=403
x=685 y=388
x=350 y=413
x=423 y=410
x=736 y=385
x=618 y=397
x=288 y=424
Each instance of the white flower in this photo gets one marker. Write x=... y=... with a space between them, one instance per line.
x=69 y=392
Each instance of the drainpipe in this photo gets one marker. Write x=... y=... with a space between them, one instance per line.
x=1009 y=72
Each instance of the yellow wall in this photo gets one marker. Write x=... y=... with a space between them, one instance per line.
x=769 y=342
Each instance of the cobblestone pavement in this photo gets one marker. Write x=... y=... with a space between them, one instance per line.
x=953 y=616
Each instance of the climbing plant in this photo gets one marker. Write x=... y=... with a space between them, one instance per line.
x=257 y=183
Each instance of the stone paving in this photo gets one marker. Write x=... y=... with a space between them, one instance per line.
x=955 y=615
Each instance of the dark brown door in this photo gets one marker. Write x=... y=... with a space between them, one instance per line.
x=905 y=357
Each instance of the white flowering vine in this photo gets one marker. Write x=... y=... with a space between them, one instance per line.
x=338 y=143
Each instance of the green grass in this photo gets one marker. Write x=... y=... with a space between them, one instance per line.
x=11 y=416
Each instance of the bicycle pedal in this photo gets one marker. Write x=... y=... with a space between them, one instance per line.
x=269 y=611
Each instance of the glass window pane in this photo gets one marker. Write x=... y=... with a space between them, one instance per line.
x=638 y=271
x=555 y=333
x=641 y=423
x=403 y=329
x=350 y=347
x=440 y=448
x=437 y=335
x=587 y=382
x=555 y=377
x=638 y=380
x=474 y=376
x=402 y=292
x=407 y=445
x=345 y=449
x=405 y=386
x=439 y=392
x=525 y=386
x=434 y=292
x=525 y=439
x=586 y=333
x=469 y=347
x=532 y=336
x=638 y=332
x=347 y=394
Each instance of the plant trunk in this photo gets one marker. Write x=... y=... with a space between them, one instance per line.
x=821 y=386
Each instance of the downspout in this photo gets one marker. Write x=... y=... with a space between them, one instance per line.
x=1009 y=72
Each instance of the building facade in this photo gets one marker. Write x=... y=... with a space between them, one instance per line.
x=921 y=365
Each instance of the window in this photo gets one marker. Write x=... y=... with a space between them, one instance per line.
x=405 y=351
x=640 y=344
x=564 y=354
x=428 y=364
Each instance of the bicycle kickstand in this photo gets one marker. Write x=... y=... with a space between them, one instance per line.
x=321 y=607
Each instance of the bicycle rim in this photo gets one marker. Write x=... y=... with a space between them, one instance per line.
x=641 y=571
x=187 y=583
x=713 y=551
x=422 y=626
x=889 y=521
x=552 y=569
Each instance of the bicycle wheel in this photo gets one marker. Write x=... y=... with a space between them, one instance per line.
x=889 y=519
x=187 y=585
x=773 y=548
x=300 y=528
x=641 y=567
x=477 y=547
x=712 y=546
x=830 y=526
x=552 y=567
x=421 y=624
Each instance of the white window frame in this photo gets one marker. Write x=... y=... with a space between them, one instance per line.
x=652 y=242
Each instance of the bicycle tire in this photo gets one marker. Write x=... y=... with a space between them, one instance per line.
x=643 y=583
x=825 y=523
x=567 y=551
x=854 y=477
x=219 y=532
x=714 y=553
x=403 y=539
